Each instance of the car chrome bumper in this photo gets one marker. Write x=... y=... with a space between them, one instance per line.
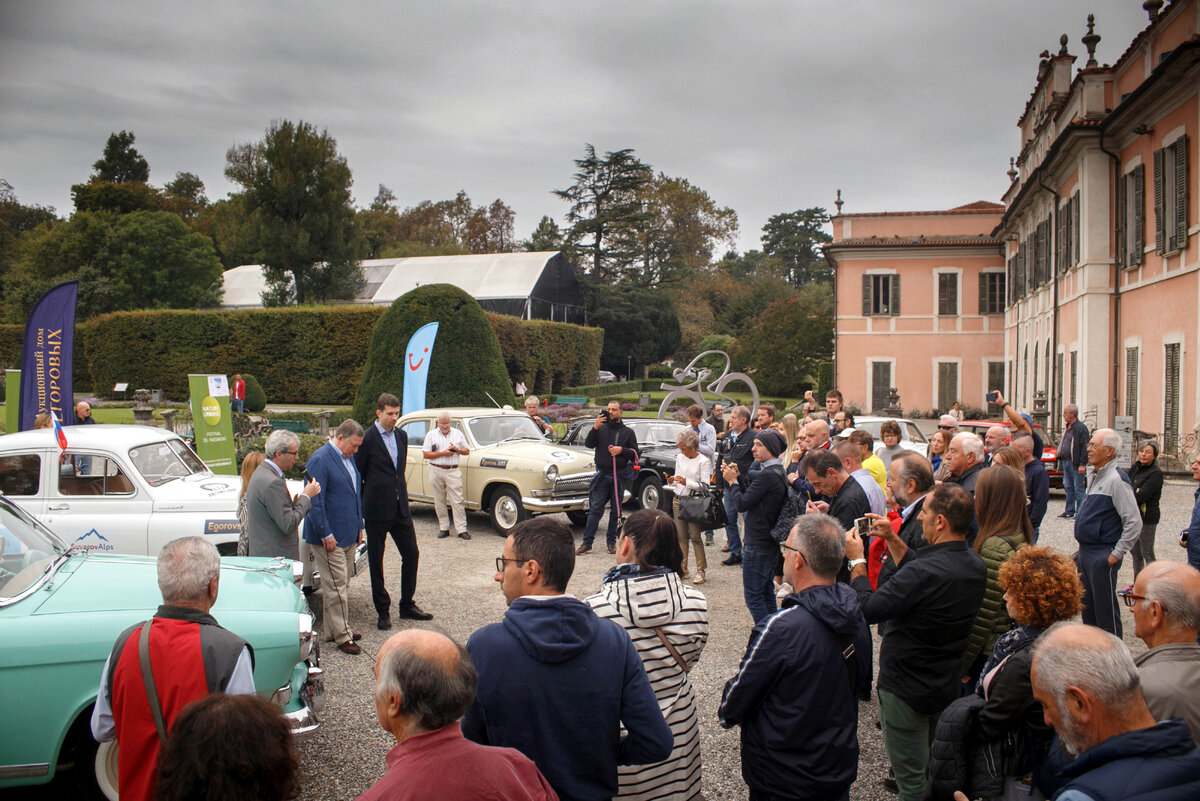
x=541 y=505
x=304 y=721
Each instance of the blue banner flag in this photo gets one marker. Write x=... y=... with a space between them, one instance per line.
x=416 y=367
x=47 y=357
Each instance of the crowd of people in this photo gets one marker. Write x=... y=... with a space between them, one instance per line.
x=985 y=687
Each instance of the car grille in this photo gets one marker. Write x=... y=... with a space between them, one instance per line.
x=573 y=485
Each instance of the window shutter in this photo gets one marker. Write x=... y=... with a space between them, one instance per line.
x=983 y=293
x=1060 y=238
x=1179 y=241
x=947 y=293
x=1171 y=398
x=1160 y=223
x=1124 y=203
x=866 y=296
x=1139 y=213
x=1131 y=382
x=895 y=310
x=1075 y=256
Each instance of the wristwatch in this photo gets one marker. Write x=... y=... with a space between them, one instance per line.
x=856 y=562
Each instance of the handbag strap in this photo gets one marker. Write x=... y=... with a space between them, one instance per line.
x=148 y=682
x=674 y=651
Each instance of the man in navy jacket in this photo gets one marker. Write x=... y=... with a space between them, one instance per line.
x=556 y=682
x=334 y=529
x=796 y=693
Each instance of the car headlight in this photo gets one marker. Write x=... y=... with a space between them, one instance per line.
x=550 y=472
x=308 y=637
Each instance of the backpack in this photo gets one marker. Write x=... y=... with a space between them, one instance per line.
x=793 y=507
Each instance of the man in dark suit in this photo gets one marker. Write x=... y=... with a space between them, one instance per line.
x=381 y=461
x=272 y=514
x=334 y=528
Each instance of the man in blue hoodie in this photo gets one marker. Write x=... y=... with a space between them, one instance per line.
x=796 y=692
x=555 y=681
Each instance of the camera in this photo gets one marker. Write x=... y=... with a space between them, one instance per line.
x=993 y=397
x=863 y=526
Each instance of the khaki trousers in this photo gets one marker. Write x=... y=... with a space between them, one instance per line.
x=335 y=567
x=448 y=484
x=689 y=532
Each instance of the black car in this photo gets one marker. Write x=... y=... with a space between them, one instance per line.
x=656 y=452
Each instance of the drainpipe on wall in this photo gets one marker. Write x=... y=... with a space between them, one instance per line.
x=1118 y=227
x=834 y=376
x=1054 y=314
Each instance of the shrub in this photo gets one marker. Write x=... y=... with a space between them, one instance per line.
x=465 y=365
x=256 y=399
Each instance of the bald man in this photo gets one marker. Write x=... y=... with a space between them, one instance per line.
x=1166 y=616
x=424 y=682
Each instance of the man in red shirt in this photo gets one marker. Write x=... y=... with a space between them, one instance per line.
x=239 y=393
x=424 y=682
x=189 y=656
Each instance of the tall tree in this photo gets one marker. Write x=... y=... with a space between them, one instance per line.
x=185 y=196
x=15 y=220
x=638 y=322
x=795 y=238
x=299 y=186
x=547 y=236
x=121 y=162
x=606 y=202
x=783 y=348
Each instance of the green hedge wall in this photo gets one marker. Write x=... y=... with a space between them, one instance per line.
x=299 y=355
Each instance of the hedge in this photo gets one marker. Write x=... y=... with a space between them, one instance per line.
x=299 y=355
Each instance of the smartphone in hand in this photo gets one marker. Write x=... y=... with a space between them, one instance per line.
x=993 y=397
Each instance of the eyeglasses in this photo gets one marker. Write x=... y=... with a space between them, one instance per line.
x=500 y=560
x=796 y=550
x=293 y=453
x=1129 y=597
x=946 y=428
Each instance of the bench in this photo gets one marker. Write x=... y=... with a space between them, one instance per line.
x=565 y=400
x=298 y=426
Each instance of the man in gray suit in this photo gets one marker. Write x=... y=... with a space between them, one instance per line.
x=271 y=514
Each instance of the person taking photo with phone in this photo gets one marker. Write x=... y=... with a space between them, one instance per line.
x=616 y=452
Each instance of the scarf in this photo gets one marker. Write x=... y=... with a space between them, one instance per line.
x=628 y=571
x=1008 y=644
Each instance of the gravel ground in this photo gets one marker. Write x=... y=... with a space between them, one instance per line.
x=346 y=755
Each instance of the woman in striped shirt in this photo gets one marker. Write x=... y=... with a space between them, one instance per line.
x=668 y=623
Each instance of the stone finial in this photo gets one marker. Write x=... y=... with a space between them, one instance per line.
x=1062 y=45
x=1152 y=8
x=1090 y=40
x=1012 y=169
x=838 y=202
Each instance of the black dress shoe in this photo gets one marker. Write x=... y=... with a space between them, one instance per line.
x=414 y=612
x=356 y=636
x=443 y=534
x=462 y=535
x=385 y=622
x=734 y=559
x=350 y=647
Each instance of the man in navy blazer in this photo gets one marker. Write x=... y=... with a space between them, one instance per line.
x=381 y=461
x=334 y=528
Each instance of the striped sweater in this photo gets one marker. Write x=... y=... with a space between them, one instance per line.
x=641 y=604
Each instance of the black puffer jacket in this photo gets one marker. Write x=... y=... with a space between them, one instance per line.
x=959 y=759
x=1147 y=480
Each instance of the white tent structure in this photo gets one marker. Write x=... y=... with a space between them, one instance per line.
x=533 y=286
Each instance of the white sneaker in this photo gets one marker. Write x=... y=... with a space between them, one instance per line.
x=783 y=591
x=699 y=579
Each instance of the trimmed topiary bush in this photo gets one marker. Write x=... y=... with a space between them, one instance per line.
x=466 y=364
x=256 y=399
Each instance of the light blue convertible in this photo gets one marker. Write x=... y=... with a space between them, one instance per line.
x=61 y=610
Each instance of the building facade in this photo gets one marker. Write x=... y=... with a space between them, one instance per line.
x=918 y=306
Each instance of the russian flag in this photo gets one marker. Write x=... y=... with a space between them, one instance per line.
x=59 y=434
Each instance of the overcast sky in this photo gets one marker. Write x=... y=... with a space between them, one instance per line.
x=767 y=106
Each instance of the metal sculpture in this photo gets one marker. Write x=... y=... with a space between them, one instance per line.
x=691 y=378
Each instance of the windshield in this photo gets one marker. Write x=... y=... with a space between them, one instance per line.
x=27 y=550
x=160 y=462
x=657 y=432
x=490 y=430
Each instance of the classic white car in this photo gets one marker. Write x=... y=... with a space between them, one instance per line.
x=121 y=489
x=511 y=473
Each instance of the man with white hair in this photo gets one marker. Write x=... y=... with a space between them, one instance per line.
x=1088 y=687
x=272 y=514
x=1106 y=527
x=443 y=446
x=964 y=456
x=1165 y=599
x=184 y=650
x=531 y=409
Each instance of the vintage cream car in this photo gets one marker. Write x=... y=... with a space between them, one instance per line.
x=511 y=473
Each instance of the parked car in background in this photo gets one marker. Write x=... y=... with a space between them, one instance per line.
x=911 y=437
x=122 y=489
x=61 y=609
x=1049 y=444
x=656 y=456
x=511 y=473
x=606 y=377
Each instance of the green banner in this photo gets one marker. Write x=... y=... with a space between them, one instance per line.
x=212 y=424
x=12 y=401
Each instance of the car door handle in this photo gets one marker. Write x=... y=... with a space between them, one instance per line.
x=65 y=507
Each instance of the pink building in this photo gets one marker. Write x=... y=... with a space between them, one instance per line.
x=919 y=306
x=1092 y=252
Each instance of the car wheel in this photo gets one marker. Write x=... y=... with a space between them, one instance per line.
x=87 y=770
x=506 y=510
x=651 y=496
x=578 y=517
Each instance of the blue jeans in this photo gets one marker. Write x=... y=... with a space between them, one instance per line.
x=599 y=496
x=731 y=526
x=1075 y=484
x=240 y=404
x=758 y=579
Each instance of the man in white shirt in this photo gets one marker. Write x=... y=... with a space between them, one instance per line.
x=443 y=446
